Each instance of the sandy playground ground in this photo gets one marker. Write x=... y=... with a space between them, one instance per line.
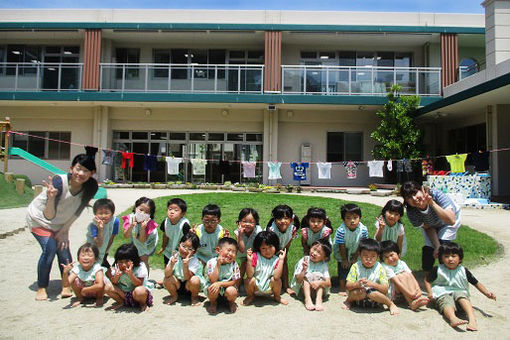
x=25 y=318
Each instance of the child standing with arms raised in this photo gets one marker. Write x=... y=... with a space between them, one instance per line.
x=285 y=225
x=347 y=238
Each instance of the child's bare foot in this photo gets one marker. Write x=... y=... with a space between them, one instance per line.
x=66 y=292
x=212 y=308
x=471 y=327
x=347 y=305
x=248 y=300
x=232 y=306
x=281 y=300
x=342 y=293
x=116 y=306
x=309 y=305
x=455 y=322
x=144 y=308
x=319 y=307
x=76 y=303
x=419 y=302
x=41 y=294
x=172 y=300
x=290 y=291
x=394 y=309
x=99 y=302
x=195 y=301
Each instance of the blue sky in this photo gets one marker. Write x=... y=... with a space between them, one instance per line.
x=437 y=6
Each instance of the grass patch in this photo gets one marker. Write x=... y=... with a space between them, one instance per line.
x=478 y=247
x=9 y=197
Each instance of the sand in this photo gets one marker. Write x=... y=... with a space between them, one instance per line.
x=26 y=318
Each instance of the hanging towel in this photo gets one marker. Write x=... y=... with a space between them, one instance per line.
x=324 y=170
x=457 y=162
x=249 y=169
x=351 y=169
x=481 y=160
x=299 y=170
x=198 y=166
x=127 y=156
x=274 y=170
x=149 y=162
x=91 y=151
x=375 y=168
x=173 y=165
x=408 y=165
x=108 y=157
x=389 y=166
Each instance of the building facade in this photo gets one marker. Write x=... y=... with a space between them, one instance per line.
x=227 y=86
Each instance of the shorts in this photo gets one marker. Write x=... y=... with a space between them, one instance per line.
x=449 y=300
x=342 y=273
x=129 y=301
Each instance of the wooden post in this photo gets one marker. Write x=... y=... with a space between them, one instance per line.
x=37 y=190
x=5 y=126
x=20 y=185
x=9 y=177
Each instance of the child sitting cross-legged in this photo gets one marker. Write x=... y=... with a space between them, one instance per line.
x=183 y=273
x=402 y=280
x=223 y=275
x=312 y=274
x=367 y=283
x=447 y=284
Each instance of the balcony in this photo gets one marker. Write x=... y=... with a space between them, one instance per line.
x=184 y=78
x=356 y=80
x=40 y=76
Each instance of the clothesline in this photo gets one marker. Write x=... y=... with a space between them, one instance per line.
x=238 y=161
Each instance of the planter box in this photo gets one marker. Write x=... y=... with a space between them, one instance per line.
x=207 y=187
x=255 y=190
x=108 y=186
x=381 y=193
x=238 y=188
x=141 y=185
x=176 y=186
x=123 y=185
x=358 y=191
x=158 y=186
x=272 y=191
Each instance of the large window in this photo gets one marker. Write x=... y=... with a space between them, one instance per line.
x=44 y=144
x=344 y=146
x=128 y=56
x=189 y=57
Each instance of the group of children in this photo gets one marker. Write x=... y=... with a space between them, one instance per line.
x=206 y=259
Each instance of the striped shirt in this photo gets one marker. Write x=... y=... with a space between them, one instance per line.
x=429 y=217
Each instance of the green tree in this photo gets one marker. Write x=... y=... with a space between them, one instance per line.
x=397 y=136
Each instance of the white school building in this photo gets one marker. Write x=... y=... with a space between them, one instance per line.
x=264 y=86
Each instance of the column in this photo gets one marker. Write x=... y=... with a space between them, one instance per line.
x=497 y=34
x=91 y=59
x=449 y=59
x=273 y=62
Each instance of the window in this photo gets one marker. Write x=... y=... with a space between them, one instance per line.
x=23 y=54
x=344 y=146
x=128 y=56
x=45 y=144
x=189 y=57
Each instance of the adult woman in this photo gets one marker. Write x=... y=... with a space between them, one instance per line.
x=435 y=213
x=51 y=214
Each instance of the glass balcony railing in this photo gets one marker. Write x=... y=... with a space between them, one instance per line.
x=356 y=80
x=186 y=78
x=40 y=76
